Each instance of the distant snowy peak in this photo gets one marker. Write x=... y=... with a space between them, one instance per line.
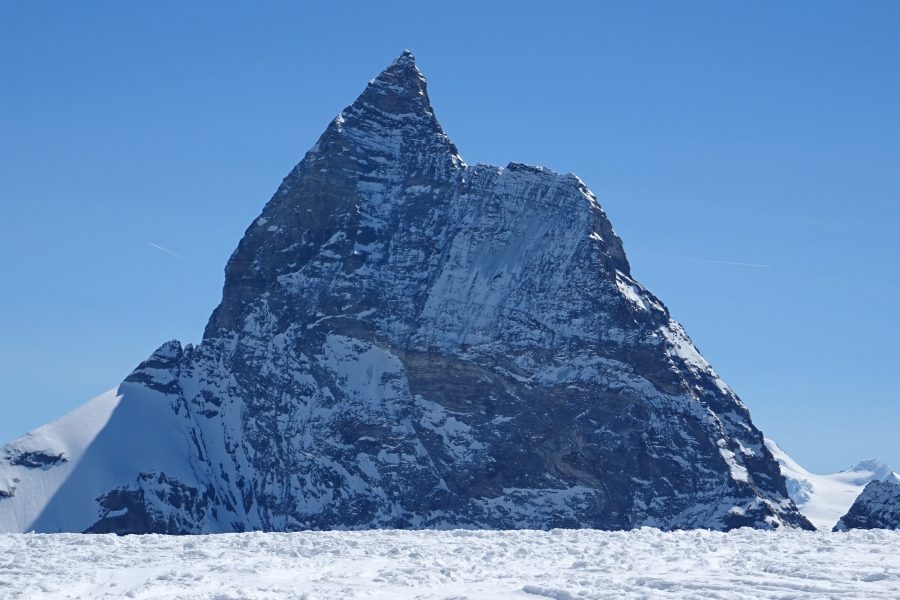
x=871 y=470
x=823 y=499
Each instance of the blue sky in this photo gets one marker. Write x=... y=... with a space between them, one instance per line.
x=765 y=133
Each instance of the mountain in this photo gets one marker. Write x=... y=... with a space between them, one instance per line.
x=823 y=499
x=878 y=507
x=405 y=340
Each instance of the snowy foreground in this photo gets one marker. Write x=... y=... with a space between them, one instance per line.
x=561 y=564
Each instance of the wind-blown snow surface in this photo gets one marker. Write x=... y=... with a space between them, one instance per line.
x=559 y=564
x=823 y=499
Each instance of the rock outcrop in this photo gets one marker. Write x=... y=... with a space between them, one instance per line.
x=878 y=507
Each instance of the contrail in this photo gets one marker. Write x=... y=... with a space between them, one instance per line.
x=167 y=251
x=718 y=262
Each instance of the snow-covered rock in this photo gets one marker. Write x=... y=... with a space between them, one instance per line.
x=405 y=340
x=878 y=507
x=823 y=499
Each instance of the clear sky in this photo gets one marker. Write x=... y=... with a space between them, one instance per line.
x=748 y=153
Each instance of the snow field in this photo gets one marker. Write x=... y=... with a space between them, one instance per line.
x=824 y=499
x=392 y=564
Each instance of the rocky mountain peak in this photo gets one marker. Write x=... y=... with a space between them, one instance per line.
x=400 y=82
x=387 y=139
x=392 y=117
x=408 y=341
x=406 y=58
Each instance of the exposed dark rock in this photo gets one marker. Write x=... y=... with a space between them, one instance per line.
x=35 y=459
x=155 y=504
x=877 y=507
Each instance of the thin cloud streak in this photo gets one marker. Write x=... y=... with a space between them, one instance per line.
x=167 y=251
x=718 y=262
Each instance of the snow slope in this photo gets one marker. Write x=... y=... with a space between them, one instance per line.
x=50 y=478
x=34 y=466
x=397 y=565
x=824 y=499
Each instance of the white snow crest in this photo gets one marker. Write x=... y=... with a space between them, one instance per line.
x=628 y=288
x=681 y=347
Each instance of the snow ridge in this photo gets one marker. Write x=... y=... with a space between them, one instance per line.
x=824 y=499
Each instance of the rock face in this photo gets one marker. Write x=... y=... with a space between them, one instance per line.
x=878 y=507
x=405 y=340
